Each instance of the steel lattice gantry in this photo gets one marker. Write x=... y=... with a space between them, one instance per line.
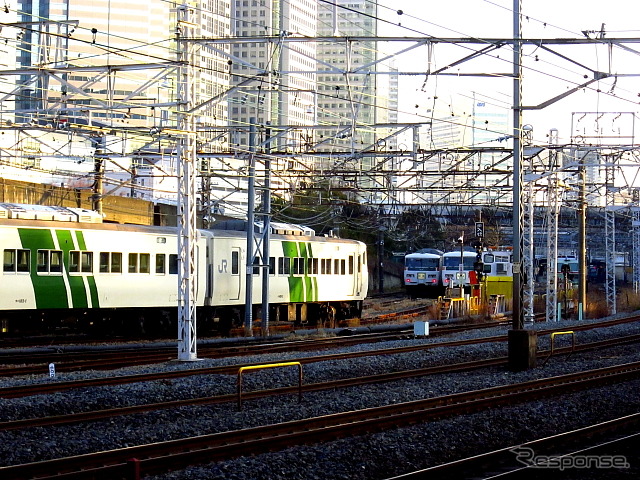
x=187 y=271
x=635 y=228
x=610 y=236
x=553 y=209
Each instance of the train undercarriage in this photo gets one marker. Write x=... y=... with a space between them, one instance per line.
x=163 y=321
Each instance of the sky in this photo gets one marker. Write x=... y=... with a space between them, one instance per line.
x=588 y=113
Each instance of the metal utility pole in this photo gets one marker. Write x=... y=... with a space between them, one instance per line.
x=251 y=200
x=518 y=318
x=381 y=231
x=553 y=196
x=610 y=237
x=582 y=247
x=635 y=229
x=98 y=189
x=186 y=152
x=522 y=343
x=266 y=235
x=528 y=253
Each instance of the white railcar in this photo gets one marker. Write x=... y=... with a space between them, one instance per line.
x=422 y=273
x=456 y=266
x=80 y=274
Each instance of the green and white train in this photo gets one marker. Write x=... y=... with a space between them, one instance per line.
x=64 y=268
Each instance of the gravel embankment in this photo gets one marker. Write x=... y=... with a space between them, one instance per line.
x=375 y=456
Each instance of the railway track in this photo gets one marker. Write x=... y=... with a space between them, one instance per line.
x=514 y=462
x=307 y=388
x=33 y=363
x=162 y=456
x=42 y=388
x=34 y=389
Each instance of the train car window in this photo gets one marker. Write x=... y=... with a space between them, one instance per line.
x=343 y=265
x=24 y=260
x=359 y=264
x=336 y=266
x=9 y=261
x=56 y=261
x=161 y=260
x=284 y=265
x=298 y=266
x=116 y=262
x=133 y=263
x=312 y=266
x=49 y=261
x=272 y=265
x=103 y=259
x=173 y=264
x=145 y=263
x=328 y=266
x=235 y=263
x=74 y=262
x=256 y=266
x=42 y=261
x=350 y=264
x=86 y=262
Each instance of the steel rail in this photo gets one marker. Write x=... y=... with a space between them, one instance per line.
x=313 y=387
x=159 y=457
x=504 y=462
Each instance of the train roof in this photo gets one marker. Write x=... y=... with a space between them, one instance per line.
x=48 y=212
x=453 y=253
x=275 y=227
x=429 y=253
x=73 y=222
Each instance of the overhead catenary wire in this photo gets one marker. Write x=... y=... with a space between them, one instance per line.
x=369 y=103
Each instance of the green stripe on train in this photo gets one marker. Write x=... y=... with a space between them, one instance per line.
x=305 y=288
x=296 y=287
x=91 y=280
x=76 y=284
x=50 y=290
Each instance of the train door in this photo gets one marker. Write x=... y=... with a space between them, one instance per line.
x=234 y=286
x=354 y=273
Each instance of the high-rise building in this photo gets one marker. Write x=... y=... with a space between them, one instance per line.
x=275 y=86
x=136 y=41
x=113 y=66
x=277 y=78
x=354 y=95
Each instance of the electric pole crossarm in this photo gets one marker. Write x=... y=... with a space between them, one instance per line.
x=598 y=76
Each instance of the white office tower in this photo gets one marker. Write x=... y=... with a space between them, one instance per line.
x=276 y=87
x=119 y=79
x=275 y=79
x=352 y=97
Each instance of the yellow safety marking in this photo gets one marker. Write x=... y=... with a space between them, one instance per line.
x=268 y=365
x=573 y=342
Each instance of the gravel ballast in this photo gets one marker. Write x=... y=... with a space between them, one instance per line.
x=374 y=456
